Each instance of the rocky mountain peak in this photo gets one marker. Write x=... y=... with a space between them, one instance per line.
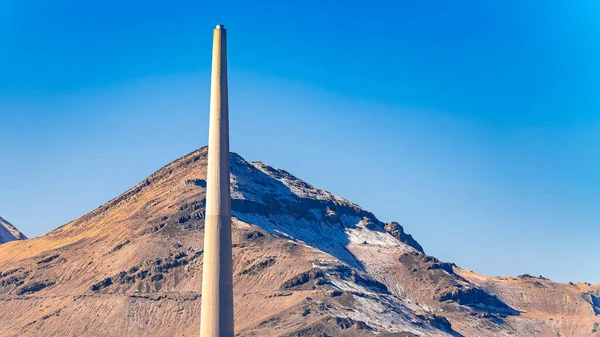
x=8 y=232
x=306 y=263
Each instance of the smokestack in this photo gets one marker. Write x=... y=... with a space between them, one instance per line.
x=217 y=277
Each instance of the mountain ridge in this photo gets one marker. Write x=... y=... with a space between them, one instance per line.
x=306 y=263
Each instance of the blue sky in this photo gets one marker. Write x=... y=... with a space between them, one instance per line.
x=474 y=124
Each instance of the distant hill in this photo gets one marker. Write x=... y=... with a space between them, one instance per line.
x=306 y=263
x=8 y=232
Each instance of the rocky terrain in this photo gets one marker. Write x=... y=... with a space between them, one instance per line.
x=8 y=232
x=306 y=263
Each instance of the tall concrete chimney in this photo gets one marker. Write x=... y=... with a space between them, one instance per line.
x=217 y=278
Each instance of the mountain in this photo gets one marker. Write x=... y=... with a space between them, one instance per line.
x=306 y=263
x=8 y=232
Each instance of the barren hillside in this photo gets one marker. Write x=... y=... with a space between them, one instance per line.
x=306 y=263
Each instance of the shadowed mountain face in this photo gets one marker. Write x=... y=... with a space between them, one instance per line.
x=8 y=232
x=306 y=263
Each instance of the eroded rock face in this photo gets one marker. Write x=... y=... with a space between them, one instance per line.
x=331 y=325
x=476 y=298
x=397 y=231
x=35 y=287
x=451 y=290
x=306 y=280
x=306 y=263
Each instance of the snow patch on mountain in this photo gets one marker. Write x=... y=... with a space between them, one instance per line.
x=318 y=234
x=389 y=313
x=286 y=206
x=360 y=234
x=256 y=186
x=295 y=185
x=8 y=232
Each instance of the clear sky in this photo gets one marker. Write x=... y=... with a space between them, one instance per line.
x=475 y=124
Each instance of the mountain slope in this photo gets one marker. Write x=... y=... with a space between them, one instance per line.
x=8 y=232
x=306 y=263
